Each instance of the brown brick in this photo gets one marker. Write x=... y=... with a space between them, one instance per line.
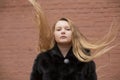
x=19 y=34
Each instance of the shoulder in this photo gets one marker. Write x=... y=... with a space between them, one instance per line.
x=44 y=60
x=91 y=66
x=92 y=63
x=43 y=55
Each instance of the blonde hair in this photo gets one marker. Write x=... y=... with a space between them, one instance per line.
x=79 y=41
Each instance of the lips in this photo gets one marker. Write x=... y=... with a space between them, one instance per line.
x=63 y=37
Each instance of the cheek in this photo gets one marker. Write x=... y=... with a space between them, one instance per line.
x=56 y=35
x=70 y=34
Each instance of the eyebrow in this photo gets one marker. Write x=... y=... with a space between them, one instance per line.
x=64 y=26
x=58 y=27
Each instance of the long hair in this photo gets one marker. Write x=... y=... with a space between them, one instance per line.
x=79 y=41
x=45 y=35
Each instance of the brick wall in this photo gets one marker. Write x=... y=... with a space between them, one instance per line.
x=19 y=35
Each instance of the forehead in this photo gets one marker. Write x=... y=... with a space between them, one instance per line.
x=61 y=23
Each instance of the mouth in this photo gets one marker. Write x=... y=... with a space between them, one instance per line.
x=63 y=37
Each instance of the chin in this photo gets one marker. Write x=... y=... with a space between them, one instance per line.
x=64 y=42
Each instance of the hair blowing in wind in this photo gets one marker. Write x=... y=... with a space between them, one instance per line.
x=79 y=41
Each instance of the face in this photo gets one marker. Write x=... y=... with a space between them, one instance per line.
x=62 y=32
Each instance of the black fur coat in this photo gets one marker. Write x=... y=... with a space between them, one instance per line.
x=51 y=65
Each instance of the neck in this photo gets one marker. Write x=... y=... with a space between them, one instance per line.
x=64 y=48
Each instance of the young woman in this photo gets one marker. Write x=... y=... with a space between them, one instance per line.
x=65 y=52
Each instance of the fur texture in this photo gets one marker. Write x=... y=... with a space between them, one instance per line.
x=50 y=65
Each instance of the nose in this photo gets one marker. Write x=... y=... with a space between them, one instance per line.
x=63 y=31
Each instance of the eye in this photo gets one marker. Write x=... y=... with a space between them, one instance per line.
x=68 y=29
x=58 y=29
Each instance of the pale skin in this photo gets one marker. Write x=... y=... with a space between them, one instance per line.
x=63 y=36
